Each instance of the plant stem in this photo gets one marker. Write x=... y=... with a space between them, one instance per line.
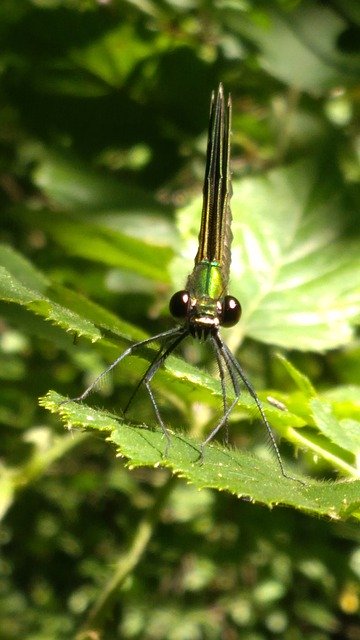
x=127 y=562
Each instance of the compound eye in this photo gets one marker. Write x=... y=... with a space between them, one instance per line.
x=179 y=304
x=231 y=311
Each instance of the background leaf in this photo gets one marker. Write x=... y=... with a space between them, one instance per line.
x=300 y=47
x=345 y=433
x=103 y=124
x=294 y=270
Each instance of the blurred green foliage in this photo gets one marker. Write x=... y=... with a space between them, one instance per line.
x=103 y=118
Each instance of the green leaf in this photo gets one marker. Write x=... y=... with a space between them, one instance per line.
x=300 y=47
x=345 y=400
x=235 y=471
x=22 y=269
x=23 y=284
x=96 y=241
x=344 y=433
x=71 y=184
x=113 y=56
x=333 y=414
x=301 y=381
x=293 y=269
x=127 y=228
x=99 y=244
x=12 y=290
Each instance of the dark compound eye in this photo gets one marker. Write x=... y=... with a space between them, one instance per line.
x=231 y=311
x=179 y=304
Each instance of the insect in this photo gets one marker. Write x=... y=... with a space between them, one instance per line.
x=204 y=305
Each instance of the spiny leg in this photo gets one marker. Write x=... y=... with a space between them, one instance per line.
x=222 y=380
x=223 y=385
x=218 y=346
x=158 y=356
x=124 y=354
x=254 y=396
x=219 y=351
x=149 y=374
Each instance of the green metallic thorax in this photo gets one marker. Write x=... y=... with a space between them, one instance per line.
x=206 y=282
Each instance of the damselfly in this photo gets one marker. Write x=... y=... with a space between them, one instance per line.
x=204 y=305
